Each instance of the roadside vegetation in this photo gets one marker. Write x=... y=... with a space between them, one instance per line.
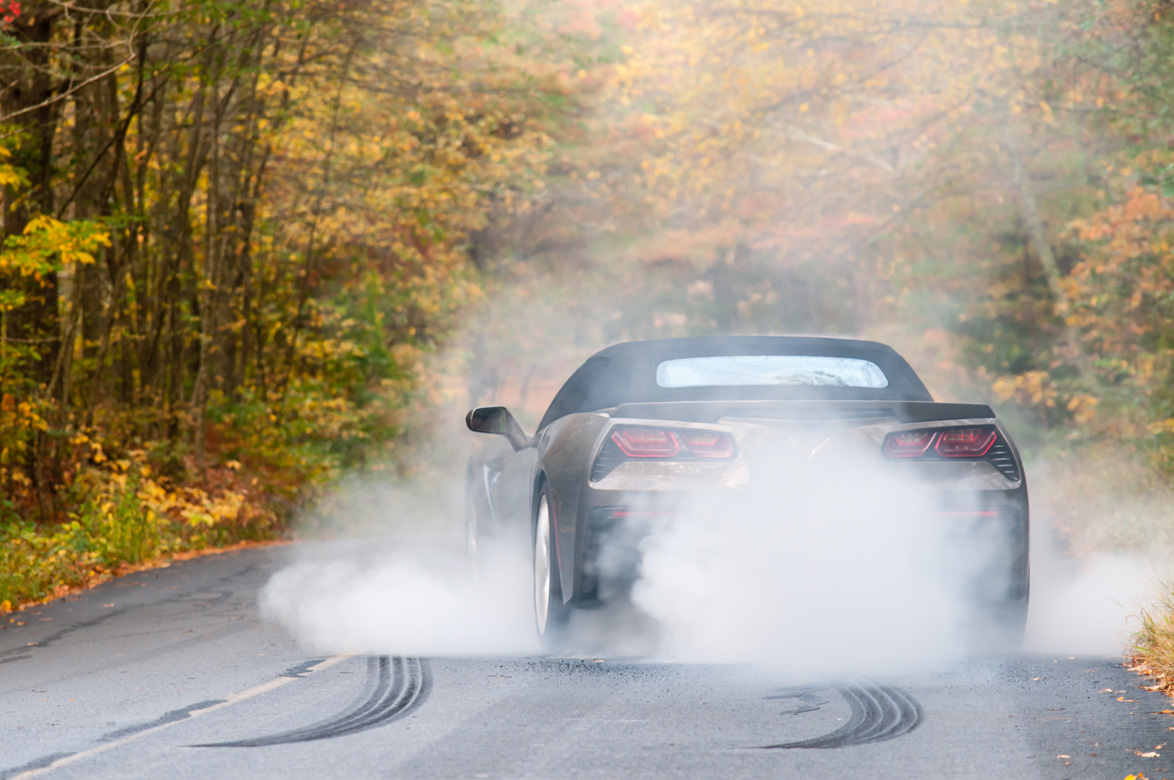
x=1155 y=643
x=249 y=245
x=232 y=229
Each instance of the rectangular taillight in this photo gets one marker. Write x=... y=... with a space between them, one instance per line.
x=646 y=442
x=713 y=445
x=970 y=442
x=909 y=444
x=965 y=442
x=639 y=441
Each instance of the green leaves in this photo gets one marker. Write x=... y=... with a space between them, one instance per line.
x=48 y=244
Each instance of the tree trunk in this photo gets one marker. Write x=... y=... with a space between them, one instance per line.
x=1029 y=213
x=25 y=70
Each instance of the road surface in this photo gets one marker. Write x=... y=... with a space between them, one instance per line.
x=172 y=674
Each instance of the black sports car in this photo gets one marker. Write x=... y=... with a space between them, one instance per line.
x=643 y=428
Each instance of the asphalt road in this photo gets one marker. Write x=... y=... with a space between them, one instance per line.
x=172 y=674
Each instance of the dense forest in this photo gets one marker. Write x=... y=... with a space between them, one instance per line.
x=248 y=244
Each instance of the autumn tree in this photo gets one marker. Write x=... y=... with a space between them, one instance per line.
x=234 y=227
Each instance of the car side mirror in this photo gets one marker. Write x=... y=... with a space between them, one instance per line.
x=497 y=420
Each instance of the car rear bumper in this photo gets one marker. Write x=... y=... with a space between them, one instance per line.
x=988 y=531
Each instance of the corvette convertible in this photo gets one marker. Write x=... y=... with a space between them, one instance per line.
x=643 y=428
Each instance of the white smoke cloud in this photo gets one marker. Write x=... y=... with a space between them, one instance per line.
x=825 y=569
x=1088 y=606
x=412 y=595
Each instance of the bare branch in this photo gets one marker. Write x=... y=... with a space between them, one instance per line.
x=61 y=96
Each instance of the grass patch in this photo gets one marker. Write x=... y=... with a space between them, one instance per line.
x=1153 y=645
x=125 y=518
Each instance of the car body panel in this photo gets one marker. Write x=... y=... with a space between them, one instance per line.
x=771 y=433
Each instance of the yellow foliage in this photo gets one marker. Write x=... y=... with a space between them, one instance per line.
x=10 y=177
x=1083 y=408
x=1031 y=388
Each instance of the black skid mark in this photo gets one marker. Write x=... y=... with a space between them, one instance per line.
x=879 y=713
x=19 y=653
x=162 y=720
x=39 y=763
x=809 y=698
x=400 y=686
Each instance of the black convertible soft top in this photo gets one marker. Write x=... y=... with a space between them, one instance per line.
x=626 y=373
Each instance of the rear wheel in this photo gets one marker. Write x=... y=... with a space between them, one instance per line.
x=550 y=614
x=471 y=561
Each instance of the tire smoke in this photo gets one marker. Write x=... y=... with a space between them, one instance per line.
x=826 y=569
x=406 y=596
x=833 y=566
x=405 y=585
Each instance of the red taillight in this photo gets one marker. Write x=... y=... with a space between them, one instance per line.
x=949 y=443
x=965 y=442
x=909 y=444
x=709 y=444
x=640 y=442
x=646 y=442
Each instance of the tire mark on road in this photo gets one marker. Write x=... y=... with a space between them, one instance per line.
x=400 y=685
x=302 y=669
x=879 y=713
x=40 y=763
x=167 y=717
x=20 y=653
x=77 y=625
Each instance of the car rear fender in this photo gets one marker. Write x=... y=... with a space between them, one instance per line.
x=565 y=451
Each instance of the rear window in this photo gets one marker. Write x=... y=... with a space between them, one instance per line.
x=770 y=370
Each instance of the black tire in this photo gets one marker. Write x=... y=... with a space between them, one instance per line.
x=471 y=530
x=470 y=539
x=550 y=613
